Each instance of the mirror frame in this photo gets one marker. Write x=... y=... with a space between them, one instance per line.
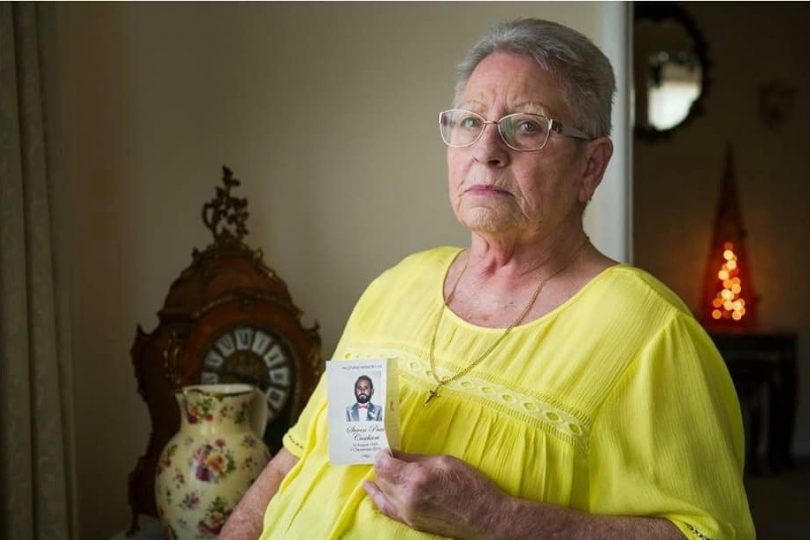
x=658 y=12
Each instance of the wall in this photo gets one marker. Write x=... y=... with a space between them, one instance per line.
x=156 y=97
x=676 y=182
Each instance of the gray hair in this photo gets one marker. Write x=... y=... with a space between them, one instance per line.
x=580 y=68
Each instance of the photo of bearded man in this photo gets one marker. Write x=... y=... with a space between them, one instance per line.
x=363 y=410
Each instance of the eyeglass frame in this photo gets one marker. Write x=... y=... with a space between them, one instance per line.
x=553 y=125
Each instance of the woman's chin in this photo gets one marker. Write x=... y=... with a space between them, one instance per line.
x=487 y=220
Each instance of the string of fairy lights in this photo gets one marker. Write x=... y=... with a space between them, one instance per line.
x=728 y=303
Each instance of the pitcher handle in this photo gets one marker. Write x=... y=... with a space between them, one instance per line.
x=259 y=413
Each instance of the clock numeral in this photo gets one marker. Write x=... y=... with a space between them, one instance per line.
x=213 y=360
x=280 y=376
x=226 y=345
x=244 y=336
x=206 y=377
x=274 y=357
x=276 y=397
x=260 y=342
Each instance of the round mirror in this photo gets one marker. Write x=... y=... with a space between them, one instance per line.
x=670 y=69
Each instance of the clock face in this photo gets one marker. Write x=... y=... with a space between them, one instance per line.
x=252 y=355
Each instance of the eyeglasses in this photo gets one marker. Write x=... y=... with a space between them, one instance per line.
x=524 y=132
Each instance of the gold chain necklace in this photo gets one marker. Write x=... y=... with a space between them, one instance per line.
x=440 y=382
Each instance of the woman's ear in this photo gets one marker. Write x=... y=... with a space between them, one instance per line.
x=597 y=157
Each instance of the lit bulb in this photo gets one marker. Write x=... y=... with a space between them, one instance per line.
x=736 y=289
x=736 y=316
x=728 y=254
x=727 y=294
x=716 y=314
x=723 y=274
x=717 y=302
x=728 y=245
x=728 y=305
x=731 y=265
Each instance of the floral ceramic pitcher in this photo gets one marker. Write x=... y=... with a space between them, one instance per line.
x=209 y=464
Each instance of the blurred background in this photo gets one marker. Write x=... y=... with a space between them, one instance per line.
x=326 y=113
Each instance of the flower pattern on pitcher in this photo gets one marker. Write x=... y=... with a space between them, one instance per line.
x=179 y=479
x=249 y=441
x=197 y=411
x=190 y=501
x=239 y=413
x=202 y=473
x=215 y=516
x=213 y=462
x=165 y=460
x=250 y=463
x=168 y=496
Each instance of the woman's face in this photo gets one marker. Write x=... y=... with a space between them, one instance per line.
x=496 y=190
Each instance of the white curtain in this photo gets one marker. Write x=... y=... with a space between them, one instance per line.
x=36 y=479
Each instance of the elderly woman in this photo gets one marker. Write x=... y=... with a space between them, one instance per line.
x=545 y=390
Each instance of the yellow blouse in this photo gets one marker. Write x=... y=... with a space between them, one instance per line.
x=615 y=403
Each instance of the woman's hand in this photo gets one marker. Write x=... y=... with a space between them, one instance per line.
x=436 y=494
x=443 y=495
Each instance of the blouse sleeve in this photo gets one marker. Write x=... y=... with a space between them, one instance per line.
x=295 y=440
x=668 y=440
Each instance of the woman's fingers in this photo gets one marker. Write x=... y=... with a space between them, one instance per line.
x=380 y=500
x=427 y=493
x=389 y=468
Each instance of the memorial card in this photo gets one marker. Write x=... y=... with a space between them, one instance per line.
x=363 y=409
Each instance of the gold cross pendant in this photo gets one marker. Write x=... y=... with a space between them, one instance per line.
x=432 y=394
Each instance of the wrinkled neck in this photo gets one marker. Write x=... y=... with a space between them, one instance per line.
x=512 y=259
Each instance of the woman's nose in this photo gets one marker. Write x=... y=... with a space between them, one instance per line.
x=490 y=148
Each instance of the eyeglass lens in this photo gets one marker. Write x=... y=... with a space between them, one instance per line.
x=519 y=131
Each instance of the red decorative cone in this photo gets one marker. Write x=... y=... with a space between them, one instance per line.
x=729 y=301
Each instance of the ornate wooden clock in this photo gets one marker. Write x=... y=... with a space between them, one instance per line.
x=227 y=318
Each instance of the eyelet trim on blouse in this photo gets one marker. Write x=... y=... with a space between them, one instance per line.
x=546 y=415
x=697 y=533
x=294 y=442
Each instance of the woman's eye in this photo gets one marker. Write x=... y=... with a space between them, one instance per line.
x=470 y=122
x=529 y=127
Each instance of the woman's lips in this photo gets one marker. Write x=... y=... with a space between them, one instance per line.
x=486 y=189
